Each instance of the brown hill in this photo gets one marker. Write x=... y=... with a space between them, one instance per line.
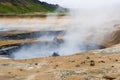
x=113 y=38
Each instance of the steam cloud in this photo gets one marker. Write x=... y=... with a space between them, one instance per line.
x=90 y=21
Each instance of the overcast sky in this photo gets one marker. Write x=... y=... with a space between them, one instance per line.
x=66 y=3
x=83 y=3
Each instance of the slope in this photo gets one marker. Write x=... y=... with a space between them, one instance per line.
x=27 y=6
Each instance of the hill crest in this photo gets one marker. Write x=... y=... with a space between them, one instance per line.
x=27 y=6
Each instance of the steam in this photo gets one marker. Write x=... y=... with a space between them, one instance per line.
x=90 y=22
x=34 y=24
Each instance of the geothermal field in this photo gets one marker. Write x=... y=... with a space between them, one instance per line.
x=44 y=37
x=82 y=44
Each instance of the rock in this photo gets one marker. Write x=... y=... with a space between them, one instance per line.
x=72 y=60
x=77 y=65
x=55 y=54
x=92 y=63
x=83 y=62
x=101 y=61
x=87 y=57
x=116 y=60
x=110 y=77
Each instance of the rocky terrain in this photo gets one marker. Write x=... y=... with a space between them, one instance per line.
x=101 y=64
x=92 y=65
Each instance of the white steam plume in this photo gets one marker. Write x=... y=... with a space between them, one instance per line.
x=91 y=21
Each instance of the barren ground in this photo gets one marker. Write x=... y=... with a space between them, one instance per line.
x=92 y=65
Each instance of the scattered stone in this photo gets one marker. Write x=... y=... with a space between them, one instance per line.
x=92 y=63
x=116 y=60
x=86 y=79
x=77 y=65
x=71 y=60
x=112 y=66
x=51 y=61
x=102 y=61
x=83 y=62
x=38 y=71
x=56 y=66
x=87 y=57
x=109 y=58
x=21 y=69
x=36 y=63
x=109 y=77
x=14 y=76
x=9 y=72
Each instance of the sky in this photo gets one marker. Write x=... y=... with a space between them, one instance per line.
x=83 y=3
x=60 y=2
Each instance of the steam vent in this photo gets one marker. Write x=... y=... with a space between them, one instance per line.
x=42 y=40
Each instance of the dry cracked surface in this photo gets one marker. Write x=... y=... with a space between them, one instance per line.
x=92 y=65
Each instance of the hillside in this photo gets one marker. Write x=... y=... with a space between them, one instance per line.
x=27 y=6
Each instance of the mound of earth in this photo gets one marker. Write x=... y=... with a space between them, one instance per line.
x=113 y=38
